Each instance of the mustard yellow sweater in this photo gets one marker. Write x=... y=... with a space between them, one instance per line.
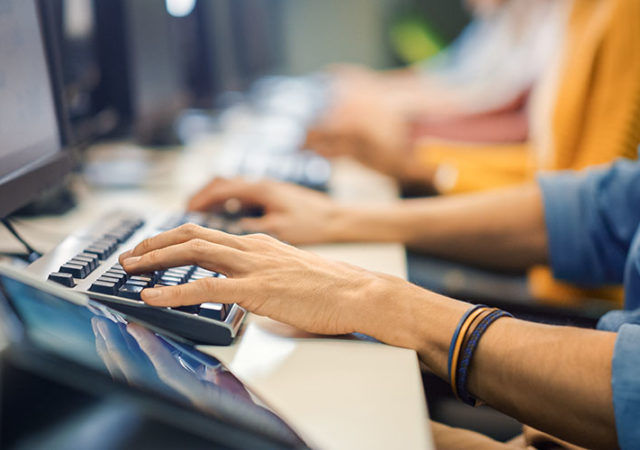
x=595 y=118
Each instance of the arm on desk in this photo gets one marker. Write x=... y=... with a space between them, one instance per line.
x=539 y=374
x=499 y=229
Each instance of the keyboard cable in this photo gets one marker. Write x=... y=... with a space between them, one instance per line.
x=32 y=253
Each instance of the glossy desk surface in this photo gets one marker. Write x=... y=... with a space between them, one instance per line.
x=336 y=392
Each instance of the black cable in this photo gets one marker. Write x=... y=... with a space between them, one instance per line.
x=33 y=254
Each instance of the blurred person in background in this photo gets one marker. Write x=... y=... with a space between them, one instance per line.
x=531 y=85
x=466 y=92
x=582 y=109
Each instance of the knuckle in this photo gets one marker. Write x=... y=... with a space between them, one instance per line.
x=153 y=257
x=189 y=229
x=208 y=284
x=199 y=248
x=144 y=246
x=178 y=293
x=261 y=237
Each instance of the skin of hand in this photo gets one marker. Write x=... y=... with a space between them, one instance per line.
x=539 y=374
x=365 y=122
x=500 y=229
x=252 y=261
x=291 y=213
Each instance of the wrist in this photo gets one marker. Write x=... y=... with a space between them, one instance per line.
x=367 y=224
x=401 y=314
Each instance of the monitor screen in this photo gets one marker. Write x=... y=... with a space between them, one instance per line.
x=95 y=337
x=29 y=133
x=155 y=74
x=80 y=63
x=28 y=124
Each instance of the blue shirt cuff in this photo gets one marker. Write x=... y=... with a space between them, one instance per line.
x=562 y=213
x=626 y=386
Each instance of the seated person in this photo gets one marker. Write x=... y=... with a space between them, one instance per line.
x=578 y=385
x=584 y=112
x=587 y=96
x=465 y=91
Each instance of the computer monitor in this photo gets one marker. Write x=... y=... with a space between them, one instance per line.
x=157 y=87
x=219 y=21
x=31 y=156
x=257 y=36
x=122 y=65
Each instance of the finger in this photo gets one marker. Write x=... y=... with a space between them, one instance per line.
x=217 y=192
x=182 y=234
x=213 y=290
x=218 y=258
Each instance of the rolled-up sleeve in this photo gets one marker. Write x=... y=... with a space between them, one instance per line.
x=626 y=385
x=591 y=219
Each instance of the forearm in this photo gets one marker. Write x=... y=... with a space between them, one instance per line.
x=556 y=379
x=499 y=229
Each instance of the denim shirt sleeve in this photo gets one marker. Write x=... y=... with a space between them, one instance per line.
x=625 y=381
x=591 y=219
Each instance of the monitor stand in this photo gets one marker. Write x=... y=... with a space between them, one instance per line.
x=54 y=202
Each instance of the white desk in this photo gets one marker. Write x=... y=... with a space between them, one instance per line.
x=337 y=393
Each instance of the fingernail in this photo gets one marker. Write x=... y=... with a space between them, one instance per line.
x=126 y=254
x=152 y=293
x=131 y=261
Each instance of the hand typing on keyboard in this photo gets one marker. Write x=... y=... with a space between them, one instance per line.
x=264 y=276
x=291 y=213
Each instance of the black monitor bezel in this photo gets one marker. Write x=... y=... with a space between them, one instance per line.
x=31 y=180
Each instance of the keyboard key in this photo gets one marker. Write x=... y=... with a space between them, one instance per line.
x=146 y=280
x=99 y=252
x=172 y=279
x=117 y=281
x=179 y=271
x=86 y=266
x=120 y=234
x=195 y=277
x=104 y=287
x=118 y=271
x=109 y=245
x=65 y=279
x=91 y=259
x=74 y=269
x=130 y=291
x=216 y=311
x=142 y=284
x=153 y=276
x=190 y=309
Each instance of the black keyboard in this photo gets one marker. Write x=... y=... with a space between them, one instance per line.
x=88 y=263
